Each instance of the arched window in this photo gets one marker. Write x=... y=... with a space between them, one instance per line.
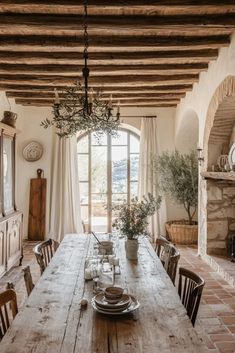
x=108 y=174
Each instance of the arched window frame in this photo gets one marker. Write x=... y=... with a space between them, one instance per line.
x=130 y=133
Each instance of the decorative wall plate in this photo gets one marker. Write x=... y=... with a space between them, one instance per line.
x=32 y=151
x=231 y=156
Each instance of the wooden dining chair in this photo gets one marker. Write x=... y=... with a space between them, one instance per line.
x=170 y=257
x=8 y=310
x=159 y=245
x=190 y=291
x=44 y=252
x=28 y=280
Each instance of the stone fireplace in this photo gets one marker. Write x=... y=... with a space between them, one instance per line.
x=220 y=216
x=216 y=184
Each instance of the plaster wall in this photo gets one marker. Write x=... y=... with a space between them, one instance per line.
x=198 y=100
x=28 y=122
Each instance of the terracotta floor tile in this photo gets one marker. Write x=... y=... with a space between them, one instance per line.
x=232 y=328
x=222 y=337
x=228 y=320
x=226 y=347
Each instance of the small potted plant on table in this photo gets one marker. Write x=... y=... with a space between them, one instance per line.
x=132 y=221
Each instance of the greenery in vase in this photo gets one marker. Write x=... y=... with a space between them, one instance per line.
x=132 y=218
x=178 y=177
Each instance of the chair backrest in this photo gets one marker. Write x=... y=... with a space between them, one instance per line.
x=8 y=308
x=173 y=263
x=44 y=252
x=159 y=245
x=190 y=291
x=28 y=280
x=170 y=259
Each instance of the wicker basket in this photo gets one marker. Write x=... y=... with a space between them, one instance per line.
x=181 y=232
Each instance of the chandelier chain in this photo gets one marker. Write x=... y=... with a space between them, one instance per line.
x=85 y=26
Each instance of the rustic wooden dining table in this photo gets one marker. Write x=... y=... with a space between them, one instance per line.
x=52 y=320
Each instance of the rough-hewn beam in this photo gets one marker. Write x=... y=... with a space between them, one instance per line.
x=97 y=70
x=69 y=42
x=155 y=102
x=109 y=58
x=179 y=87
x=73 y=22
x=74 y=4
x=116 y=97
x=102 y=81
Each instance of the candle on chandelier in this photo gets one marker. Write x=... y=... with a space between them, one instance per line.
x=110 y=103
x=91 y=97
x=57 y=98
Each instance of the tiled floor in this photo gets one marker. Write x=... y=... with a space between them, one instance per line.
x=216 y=316
x=15 y=274
x=216 y=319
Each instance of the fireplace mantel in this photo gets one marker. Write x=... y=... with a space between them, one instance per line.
x=230 y=176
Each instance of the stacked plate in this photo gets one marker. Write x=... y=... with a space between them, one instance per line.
x=125 y=304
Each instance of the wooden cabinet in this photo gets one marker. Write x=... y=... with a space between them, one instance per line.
x=11 y=220
x=3 y=254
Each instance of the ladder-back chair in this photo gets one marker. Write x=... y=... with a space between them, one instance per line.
x=8 y=310
x=190 y=291
x=44 y=252
x=28 y=280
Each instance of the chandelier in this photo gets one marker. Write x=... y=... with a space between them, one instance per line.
x=80 y=108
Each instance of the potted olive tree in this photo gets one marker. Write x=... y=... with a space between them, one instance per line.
x=177 y=175
x=132 y=221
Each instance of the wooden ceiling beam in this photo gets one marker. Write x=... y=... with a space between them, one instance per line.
x=102 y=81
x=179 y=88
x=48 y=102
x=97 y=70
x=104 y=97
x=74 y=4
x=109 y=58
x=147 y=20
x=68 y=42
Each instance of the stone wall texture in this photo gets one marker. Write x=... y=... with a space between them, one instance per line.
x=220 y=216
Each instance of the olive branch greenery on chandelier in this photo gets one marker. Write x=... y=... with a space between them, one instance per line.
x=82 y=109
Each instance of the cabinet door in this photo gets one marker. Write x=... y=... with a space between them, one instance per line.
x=2 y=248
x=14 y=239
x=8 y=174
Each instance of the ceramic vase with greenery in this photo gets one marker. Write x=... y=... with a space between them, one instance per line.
x=177 y=175
x=132 y=220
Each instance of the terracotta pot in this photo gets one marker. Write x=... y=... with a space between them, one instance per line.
x=181 y=232
x=131 y=247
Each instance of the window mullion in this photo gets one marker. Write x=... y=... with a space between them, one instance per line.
x=128 y=168
x=109 y=183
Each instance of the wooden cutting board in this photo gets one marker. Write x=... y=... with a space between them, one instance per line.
x=37 y=209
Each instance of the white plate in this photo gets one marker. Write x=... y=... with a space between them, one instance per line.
x=132 y=307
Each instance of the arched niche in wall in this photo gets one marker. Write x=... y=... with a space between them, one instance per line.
x=219 y=122
x=217 y=211
x=187 y=136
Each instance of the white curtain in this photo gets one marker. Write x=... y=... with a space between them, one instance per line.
x=65 y=213
x=147 y=178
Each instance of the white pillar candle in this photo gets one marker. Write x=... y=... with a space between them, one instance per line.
x=87 y=273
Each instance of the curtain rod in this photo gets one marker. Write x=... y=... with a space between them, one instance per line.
x=139 y=116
